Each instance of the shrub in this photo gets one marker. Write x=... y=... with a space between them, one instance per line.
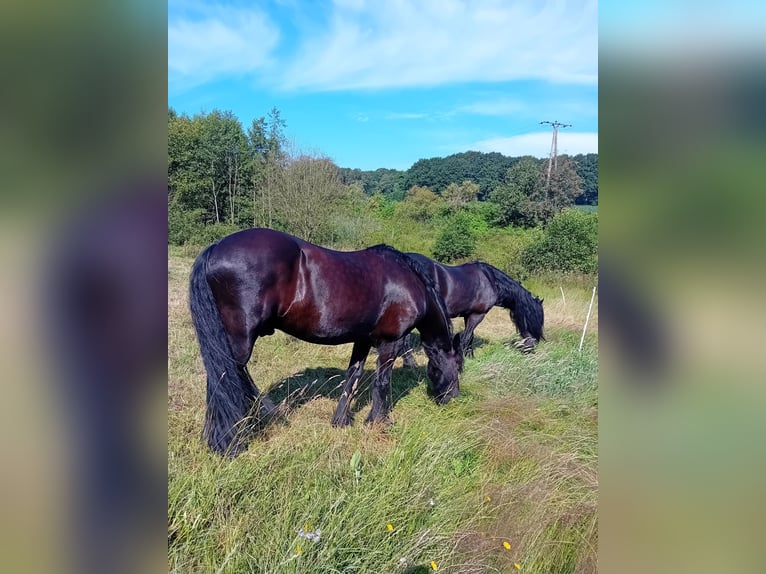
x=568 y=243
x=503 y=248
x=457 y=239
x=184 y=226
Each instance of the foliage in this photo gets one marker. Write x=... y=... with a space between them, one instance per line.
x=487 y=170
x=354 y=219
x=421 y=204
x=215 y=167
x=484 y=169
x=569 y=243
x=222 y=178
x=558 y=192
x=457 y=240
x=304 y=196
x=504 y=248
x=387 y=182
x=457 y=196
x=587 y=169
x=185 y=226
x=514 y=197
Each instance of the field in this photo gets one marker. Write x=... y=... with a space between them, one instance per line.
x=502 y=479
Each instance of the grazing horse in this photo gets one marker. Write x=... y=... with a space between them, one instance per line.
x=258 y=280
x=472 y=289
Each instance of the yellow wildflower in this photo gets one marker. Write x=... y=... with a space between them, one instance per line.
x=517 y=565
x=488 y=499
x=506 y=545
x=434 y=566
x=298 y=550
x=390 y=527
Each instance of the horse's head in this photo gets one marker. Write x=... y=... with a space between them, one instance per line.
x=534 y=319
x=444 y=366
x=531 y=325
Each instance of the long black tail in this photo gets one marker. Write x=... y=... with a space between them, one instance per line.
x=230 y=391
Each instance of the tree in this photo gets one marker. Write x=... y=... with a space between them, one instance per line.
x=421 y=204
x=456 y=240
x=305 y=194
x=564 y=186
x=458 y=196
x=514 y=196
x=587 y=169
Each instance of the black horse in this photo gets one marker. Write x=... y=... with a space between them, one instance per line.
x=255 y=281
x=472 y=289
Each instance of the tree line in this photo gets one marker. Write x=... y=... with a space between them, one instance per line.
x=223 y=177
x=487 y=170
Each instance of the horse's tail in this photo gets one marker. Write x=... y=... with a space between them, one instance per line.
x=230 y=392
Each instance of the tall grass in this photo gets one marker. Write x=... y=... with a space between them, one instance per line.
x=511 y=460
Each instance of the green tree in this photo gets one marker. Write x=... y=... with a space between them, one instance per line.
x=560 y=192
x=456 y=240
x=513 y=197
x=458 y=196
x=587 y=169
x=305 y=195
x=421 y=204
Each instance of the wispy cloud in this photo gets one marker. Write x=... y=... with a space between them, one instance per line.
x=405 y=116
x=496 y=107
x=400 y=43
x=209 y=42
x=539 y=144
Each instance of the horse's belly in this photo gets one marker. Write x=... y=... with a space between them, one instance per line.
x=325 y=328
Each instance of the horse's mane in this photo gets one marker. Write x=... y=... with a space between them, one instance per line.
x=420 y=270
x=526 y=310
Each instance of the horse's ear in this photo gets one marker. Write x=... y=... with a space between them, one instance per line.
x=541 y=301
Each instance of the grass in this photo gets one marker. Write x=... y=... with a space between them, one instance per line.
x=512 y=460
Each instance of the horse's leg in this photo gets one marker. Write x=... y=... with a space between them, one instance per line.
x=262 y=407
x=408 y=353
x=471 y=321
x=381 y=389
x=342 y=416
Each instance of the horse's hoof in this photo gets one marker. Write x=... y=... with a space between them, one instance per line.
x=443 y=399
x=372 y=420
x=341 y=422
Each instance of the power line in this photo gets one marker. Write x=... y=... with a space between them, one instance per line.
x=552 y=158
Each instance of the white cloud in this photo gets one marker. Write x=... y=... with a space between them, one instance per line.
x=539 y=144
x=404 y=44
x=218 y=41
x=497 y=107
x=405 y=116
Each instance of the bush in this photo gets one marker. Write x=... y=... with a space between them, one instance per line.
x=503 y=248
x=457 y=239
x=214 y=232
x=569 y=243
x=184 y=226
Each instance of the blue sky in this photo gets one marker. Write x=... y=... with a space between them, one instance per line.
x=374 y=83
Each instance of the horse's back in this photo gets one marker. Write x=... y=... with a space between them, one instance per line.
x=466 y=289
x=277 y=281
